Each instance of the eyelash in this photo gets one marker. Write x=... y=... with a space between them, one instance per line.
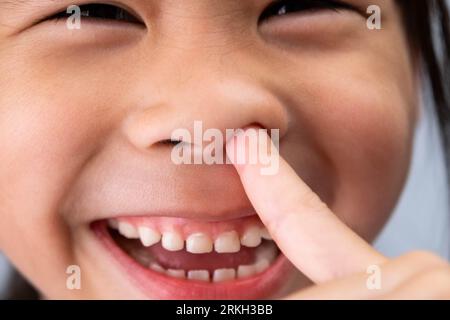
x=277 y=8
x=285 y=7
x=101 y=11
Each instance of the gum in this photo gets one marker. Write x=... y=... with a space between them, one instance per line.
x=186 y=227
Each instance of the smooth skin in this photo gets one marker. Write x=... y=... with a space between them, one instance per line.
x=323 y=248
x=83 y=114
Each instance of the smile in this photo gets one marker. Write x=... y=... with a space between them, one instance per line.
x=189 y=259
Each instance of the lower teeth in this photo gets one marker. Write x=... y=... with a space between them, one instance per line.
x=264 y=256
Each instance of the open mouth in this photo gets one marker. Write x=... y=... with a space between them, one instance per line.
x=179 y=259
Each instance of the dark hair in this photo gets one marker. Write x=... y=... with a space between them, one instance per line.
x=427 y=27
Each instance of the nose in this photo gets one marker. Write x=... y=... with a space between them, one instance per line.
x=221 y=96
x=173 y=87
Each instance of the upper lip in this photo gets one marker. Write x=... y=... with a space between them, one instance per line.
x=134 y=186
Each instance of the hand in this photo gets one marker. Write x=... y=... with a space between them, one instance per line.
x=324 y=249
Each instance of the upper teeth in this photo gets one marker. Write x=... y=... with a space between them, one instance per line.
x=251 y=237
x=148 y=236
x=198 y=242
x=227 y=242
x=128 y=230
x=172 y=241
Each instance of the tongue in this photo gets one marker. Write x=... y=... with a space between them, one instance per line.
x=206 y=261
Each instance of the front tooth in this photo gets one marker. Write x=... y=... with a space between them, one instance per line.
x=265 y=234
x=201 y=275
x=199 y=243
x=172 y=241
x=148 y=236
x=128 y=230
x=224 y=275
x=227 y=242
x=251 y=237
x=245 y=271
x=176 y=273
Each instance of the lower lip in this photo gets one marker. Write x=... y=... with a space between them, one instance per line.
x=159 y=286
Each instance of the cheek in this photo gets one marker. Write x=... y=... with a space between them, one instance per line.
x=52 y=123
x=367 y=130
x=32 y=180
x=47 y=136
x=368 y=136
x=362 y=122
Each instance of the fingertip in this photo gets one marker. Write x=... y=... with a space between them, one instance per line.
x=233 y=148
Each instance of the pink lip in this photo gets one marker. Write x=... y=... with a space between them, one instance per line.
x=159 y=286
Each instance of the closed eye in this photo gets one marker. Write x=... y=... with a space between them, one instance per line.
x=287 y=7
x=100 y=11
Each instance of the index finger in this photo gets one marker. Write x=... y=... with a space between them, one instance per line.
x=309 y=234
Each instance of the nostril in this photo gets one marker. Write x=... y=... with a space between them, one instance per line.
x=170 y=142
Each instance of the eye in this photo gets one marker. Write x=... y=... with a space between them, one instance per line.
x=286 y=7
x=101 y=11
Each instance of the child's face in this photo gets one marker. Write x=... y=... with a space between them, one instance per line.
x=83 y=114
